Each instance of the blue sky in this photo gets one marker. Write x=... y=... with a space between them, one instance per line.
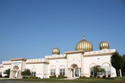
x=31 y=28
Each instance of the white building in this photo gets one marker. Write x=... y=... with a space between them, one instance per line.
x=70 y=64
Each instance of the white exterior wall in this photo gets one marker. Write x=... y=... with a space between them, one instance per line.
x=90 y=61
x=45 y=70
x=20 y=64
x=84 y=61
x=1 y=69
x=57 y=64
x=21 y=67
x=74 y=59
x=5 y=67
x=40 y=69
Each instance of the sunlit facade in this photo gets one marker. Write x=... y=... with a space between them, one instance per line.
x=72 y=64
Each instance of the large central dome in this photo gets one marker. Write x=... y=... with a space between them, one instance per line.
x=84 y=45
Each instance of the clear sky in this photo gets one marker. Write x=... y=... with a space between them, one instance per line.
x=31 y=28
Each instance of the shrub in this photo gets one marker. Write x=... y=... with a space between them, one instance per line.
x=26 y=73
x=24 y=77
x=104 y=76
x=62 y=76
x=91 y=76
x=97 y=71
x=83 y=76
x=54 y=76
x=7 y=72
x=32 y=77
x=0 y=76
x=6 y=76
x=109 y=76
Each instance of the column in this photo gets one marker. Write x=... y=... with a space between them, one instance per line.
x=74 y=72
x=79 y=71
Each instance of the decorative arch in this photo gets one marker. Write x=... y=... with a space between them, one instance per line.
x=74 y=66
x=92 y=65
x=75 y=70
x=15 y=72
x=15 y=68
x=107 y=67
x=91 y=70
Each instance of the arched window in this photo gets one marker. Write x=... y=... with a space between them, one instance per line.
x=75 y=70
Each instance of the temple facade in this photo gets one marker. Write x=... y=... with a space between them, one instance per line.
x=72 y=64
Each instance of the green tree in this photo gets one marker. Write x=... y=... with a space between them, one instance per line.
x=26 y=73
x=7 y=72
x=97 y=69
x=117 y=62
x=123 y=69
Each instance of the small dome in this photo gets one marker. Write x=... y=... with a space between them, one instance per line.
x=84 y=45
x=103 y=45
x=56 y=51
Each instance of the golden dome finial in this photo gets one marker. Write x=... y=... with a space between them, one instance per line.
x=84 y=45
x=83 y=36
x=103 y=45
x=55 y=51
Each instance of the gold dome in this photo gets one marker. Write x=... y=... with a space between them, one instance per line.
x=84 y=45
x=104 y=45
x=56 y=51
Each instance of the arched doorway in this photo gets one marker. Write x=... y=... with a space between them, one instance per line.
x=92 y=73
x=97 y=71
x=15 y=71
x=107 y=68
x=75 y=71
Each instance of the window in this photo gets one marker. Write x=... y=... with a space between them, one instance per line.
x=33 y=74
x=52 y=72
x=62 y=72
